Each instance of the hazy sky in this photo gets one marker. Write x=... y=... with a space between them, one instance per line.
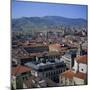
x=31 y=9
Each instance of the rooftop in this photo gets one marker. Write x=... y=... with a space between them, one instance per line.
x=68 y=74
x=19 y=69
x=55 y=45
x=80 y=75
x=81 y=59
x=36 y=49
x=46 y=64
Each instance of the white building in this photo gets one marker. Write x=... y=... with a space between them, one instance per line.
x=68 y=58
x=80 y=68
x=78 y=74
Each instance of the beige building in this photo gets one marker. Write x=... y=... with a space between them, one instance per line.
x=54 y=47
x=66 y=78
x=80 y=68
x=77 y=75
x=80 y=78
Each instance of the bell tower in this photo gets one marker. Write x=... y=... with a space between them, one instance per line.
x=79 y=52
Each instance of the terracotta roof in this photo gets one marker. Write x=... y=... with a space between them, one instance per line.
x=68 y=74
x=19 y=69
x=81 y=75
x=82 y=59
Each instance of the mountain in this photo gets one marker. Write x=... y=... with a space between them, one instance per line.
x=44 y=23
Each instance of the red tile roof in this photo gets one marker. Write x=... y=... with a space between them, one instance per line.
x=19 y=69
x=81 y=75
x=82 y=59
x=68 y=74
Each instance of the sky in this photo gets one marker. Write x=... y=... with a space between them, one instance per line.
x=38 y=9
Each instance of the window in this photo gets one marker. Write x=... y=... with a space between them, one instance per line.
x=82 y=69
x=54 y=72
x=61 y=77
x=23 y=78
x=73 y=69
x=61 y=82
x=51 y=73
x=61 y=71
x=46 y=74
x=70 y=81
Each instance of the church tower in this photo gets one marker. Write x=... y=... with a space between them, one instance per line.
x=79 y=52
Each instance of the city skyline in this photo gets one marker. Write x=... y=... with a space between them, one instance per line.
x=49 y=51
x=38 y=9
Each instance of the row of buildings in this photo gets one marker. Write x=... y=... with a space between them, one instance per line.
x=77 y=75
x=37 y=64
